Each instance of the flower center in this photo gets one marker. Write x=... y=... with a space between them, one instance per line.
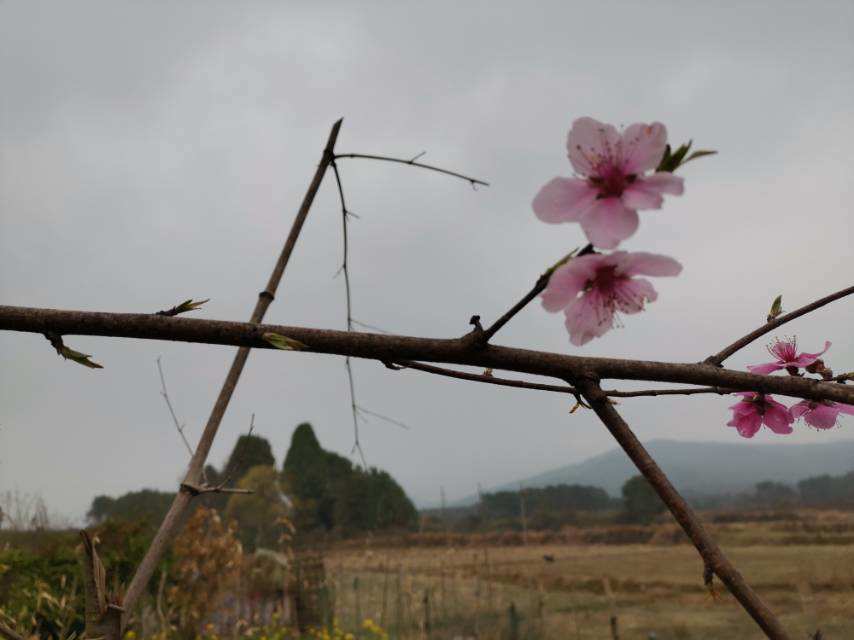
x=611 y=181
x=785 y=351
x=605 y=280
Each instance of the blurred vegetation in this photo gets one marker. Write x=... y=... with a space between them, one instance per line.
x=324 y=549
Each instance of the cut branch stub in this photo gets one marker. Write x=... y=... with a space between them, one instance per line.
x=103 y=613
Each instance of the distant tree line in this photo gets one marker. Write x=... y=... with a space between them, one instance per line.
x=317 y=491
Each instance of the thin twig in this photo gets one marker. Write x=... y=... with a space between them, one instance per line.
x=478 y=377
x=345 y=269
x=722 y=355
x=411 y=162
x=400 y=424
x=394 y=348
x=712 y=555
x=371 y=327
x=482 y=337
x=197 y=490
x=238 y=462
x=178 y=426
x=522 y=384
x=174 y=519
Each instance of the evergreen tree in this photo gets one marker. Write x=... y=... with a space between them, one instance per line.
x=261 y=515
x=249 y=451
x=328 y=493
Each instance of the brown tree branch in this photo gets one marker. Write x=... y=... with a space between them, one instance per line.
x=482 y=337
x=178 y=511
x=345 y=269
x=723 y=354
x=412 y=162
x=394 y=348
x=489 y=378
x=713 y=557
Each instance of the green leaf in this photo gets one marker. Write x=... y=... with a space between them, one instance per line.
x=190 y=305
x=776 y=308
x=283 y=342
x=184 y=307
x=699 y=154
x=80 y=358
x=672 y=160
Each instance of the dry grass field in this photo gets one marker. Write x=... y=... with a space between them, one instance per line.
x=803 y=568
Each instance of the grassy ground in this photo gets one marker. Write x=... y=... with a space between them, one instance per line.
x=655 y=591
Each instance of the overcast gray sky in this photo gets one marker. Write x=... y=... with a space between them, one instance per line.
x=154 y=151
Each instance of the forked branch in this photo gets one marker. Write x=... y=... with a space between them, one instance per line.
x=725 y=353
x=712 y=555
x=412 y=162
x=178 y=511
x=393 y=348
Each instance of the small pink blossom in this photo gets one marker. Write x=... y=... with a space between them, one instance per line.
x=611 y=186
x=756 y=409
x=788 y=357
x=606 y=285
x=821 y=415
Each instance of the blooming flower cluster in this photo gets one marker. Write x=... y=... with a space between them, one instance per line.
x=755 y=409
x=611 y=184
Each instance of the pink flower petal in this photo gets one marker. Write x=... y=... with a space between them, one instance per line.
x=743 y=407
x=643 y=146
x=630 y=295
x=588 y=317
x=608 y=222
x=637 y=196
x=764 y=369
x=747 y=425
x=806 y=359
x=648 y=264
x=590 y=144
x=777 y=417
x=648 y=192
x=563 y=200
x=663 y=182
x=568 y=280
x=822 y=416
x=800 y=409
x=846 y=408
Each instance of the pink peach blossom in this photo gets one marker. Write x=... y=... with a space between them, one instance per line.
x=786 y=352
x=590 y=289
x=611 y=186
x=821 y=415
x=756 y=409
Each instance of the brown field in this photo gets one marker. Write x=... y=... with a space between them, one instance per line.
x=803 y=567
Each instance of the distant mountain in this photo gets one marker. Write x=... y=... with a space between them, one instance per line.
x=703 y=468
